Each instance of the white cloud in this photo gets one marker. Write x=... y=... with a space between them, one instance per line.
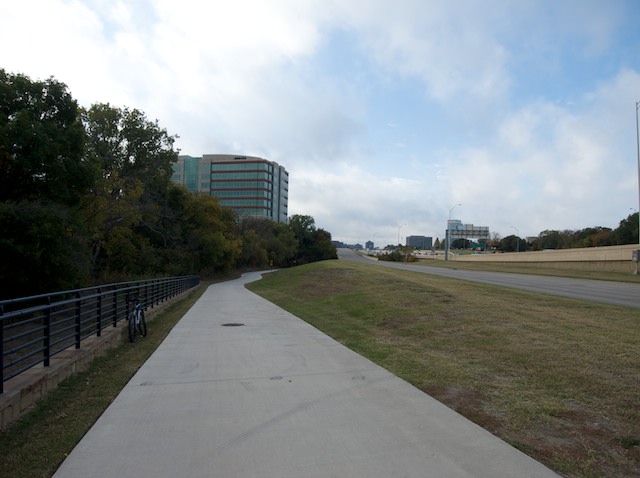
x=450 y=47
x=515 y=146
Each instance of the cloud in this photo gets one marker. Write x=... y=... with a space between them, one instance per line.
x=449 y=48
x=385 y=114
x=554 y=168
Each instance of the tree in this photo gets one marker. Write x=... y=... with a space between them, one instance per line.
x=313 y=244
x=550 y=239
x=209 y=242
x=460 y=244
x=513 y=243
x=266 y=243
x=43 y=176
x=593 y=237
x=41 y=248
x=135 y=157
x=41 y=142
x=627 y=230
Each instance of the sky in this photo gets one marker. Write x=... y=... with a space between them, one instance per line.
x=390 y=117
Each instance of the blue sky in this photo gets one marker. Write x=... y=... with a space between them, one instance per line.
x=386 y=114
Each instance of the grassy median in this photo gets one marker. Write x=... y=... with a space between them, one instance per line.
x=36 y=445
x=557 y=378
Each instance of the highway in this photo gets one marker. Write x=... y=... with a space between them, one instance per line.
x=607 y=292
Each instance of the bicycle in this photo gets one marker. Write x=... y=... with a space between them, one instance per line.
x=137 y=323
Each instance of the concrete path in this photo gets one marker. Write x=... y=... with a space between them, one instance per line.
x=277 y=398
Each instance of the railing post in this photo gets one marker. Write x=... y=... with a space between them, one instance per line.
x=47 y=334
x=128 y=299
x=78 y=325
x=99 y=325
x=115 y=307
x=1 y=349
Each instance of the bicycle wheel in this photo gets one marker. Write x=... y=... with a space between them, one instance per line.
x=142 y=325
x=132 y=327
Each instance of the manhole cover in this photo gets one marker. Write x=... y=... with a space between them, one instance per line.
x=233 y=324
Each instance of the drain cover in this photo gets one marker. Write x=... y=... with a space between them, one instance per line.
x=232 y=324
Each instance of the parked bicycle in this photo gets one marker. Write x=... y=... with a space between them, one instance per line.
x=137 y=322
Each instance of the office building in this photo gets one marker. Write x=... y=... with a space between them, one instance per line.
x=419 y=242
x=457 y=230
x=251 y=186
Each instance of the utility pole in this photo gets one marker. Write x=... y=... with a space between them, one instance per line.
x=448 y=244
x=638 y=153
x=517 y=238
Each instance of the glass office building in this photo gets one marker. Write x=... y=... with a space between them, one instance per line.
x=251 y=186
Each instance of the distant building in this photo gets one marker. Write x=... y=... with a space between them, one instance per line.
x=457 y=230
x=251 y=186
x=419 y=242
x=368 y=245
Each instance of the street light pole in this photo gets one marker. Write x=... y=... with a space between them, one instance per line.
x=638 y=152
x=446 y=250
x=400 y=227
x=517 y=238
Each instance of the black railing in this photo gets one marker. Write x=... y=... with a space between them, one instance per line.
x=34 y=329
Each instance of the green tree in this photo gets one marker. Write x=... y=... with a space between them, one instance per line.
x=41 y=142
x=460 y=244
x=313 y=244
x=208 y=236
x=41 y=249
x=627 y=230
x=592 y=237
x=552 y=239
x=266 y=243
x=135 y=157
x=43 y=176
x=513 y=243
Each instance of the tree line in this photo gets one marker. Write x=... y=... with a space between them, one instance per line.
x=86 y=197
x=625 y=233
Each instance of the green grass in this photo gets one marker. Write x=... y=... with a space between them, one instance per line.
x=36 y=445
x=557 y=378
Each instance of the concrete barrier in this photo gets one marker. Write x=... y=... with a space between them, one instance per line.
x=608 y=258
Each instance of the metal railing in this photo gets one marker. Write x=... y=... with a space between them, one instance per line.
x=34 y=329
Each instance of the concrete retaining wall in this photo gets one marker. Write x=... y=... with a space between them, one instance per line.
x=23 y=391
x=609 y=258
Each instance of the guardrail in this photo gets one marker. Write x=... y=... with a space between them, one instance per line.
x=34 y=329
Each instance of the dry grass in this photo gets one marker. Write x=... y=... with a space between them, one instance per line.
x=557 y=378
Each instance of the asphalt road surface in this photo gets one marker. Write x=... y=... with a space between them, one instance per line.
x=608 y=292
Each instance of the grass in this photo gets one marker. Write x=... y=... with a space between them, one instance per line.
x=36 y=445
x=557 y=378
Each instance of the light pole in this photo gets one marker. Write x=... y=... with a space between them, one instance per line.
x=446 y=250
x=638 y=152
x=517 y=239
x=400 y=227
